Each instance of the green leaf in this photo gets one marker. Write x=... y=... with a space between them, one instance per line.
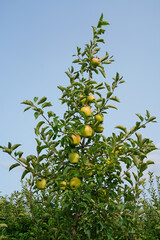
x=20 y=153
x=104 y=23
x=35 y=99
x=129 y=180
x=135 y=176
x=42 y=100
x=121 y=128
x=115 y=98
x=7 y=150
x=50 y=114
x=61 y=88
x=26 y=109
x=135 y=160
x=47 y=104
x=107 y=86
x=76 y=61
x=109 y=94
x=151 y=119
x=27 y=102
x=38 y=127
x=102 y=72
x=139 y=138
x=69 y=75
x=111 y=106
x=13 y=166
x=133 y=129
x=15 y=146
x=149 y=162
x=147 y=113
x=140 y=117
x=9 y=145
x=24 y=174
x=143 y=167
x=88 y=232
x=98 y=85
x=36 y=115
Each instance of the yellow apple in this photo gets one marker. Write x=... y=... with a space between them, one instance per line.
x=41 y=184
x=91 y=98
x=87 y=110
x=64 y=185
x=75 y=182
x=99 y=128
x=99 y=117
x=95 y=61
x=87 y=131
x=73 y=157
x=75 y=139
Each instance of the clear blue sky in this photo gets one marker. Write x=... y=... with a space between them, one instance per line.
x=37 y=41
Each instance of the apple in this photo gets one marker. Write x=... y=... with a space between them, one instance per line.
x=99 y=128
x=75 y=182
x=91 y=98
x=73 y=157
x=99 y=117
x=87 y=110
x=64 y=185
x=41 y=184
x=83 y=99
x=75 y=139
x=87 y=131
x=95 y=61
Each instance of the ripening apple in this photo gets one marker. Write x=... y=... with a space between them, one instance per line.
x=99 y=117
x=91 y=98
x=87 y=110
x=75 y=139
x=95 y=61
x=41 y=184
x=64 y=185
x=99 y=128
x=73 y=157
x=75 y=183
x=87 y=131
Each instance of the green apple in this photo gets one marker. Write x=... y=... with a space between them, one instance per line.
x=41 y=184
x=99 y=117
x=95 y=61
x=91 y=98
x=75 y=139
x=64 y=185
x=73 y=157
x=75 y=183
x=99 y=128
x=87 y=110
x=87 y=131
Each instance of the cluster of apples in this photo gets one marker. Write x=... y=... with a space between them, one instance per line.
x=86 y=131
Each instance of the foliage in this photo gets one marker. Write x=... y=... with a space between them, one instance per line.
x=106 y=204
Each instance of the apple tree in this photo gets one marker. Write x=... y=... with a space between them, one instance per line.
x=80 y=179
